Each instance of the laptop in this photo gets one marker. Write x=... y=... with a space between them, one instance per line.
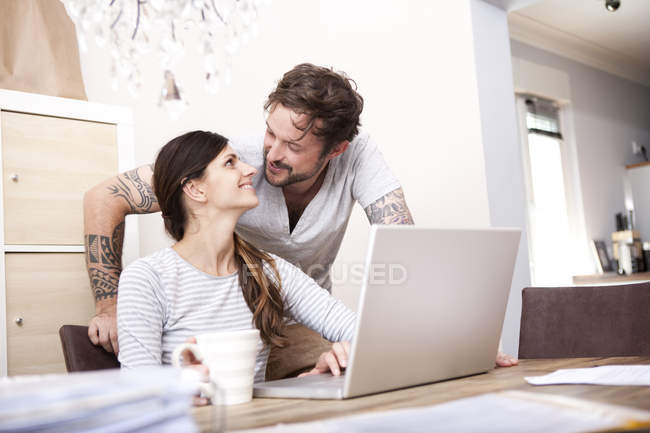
x=432 y=307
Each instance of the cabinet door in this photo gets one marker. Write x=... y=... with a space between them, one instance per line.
x=48 y=164
x=46 y=291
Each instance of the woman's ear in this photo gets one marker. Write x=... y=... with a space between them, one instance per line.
x=194 y=190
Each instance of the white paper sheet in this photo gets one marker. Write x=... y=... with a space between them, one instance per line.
x=605 y=375
x=507 y=412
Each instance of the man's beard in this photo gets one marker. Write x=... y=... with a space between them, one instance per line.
x=293 y=177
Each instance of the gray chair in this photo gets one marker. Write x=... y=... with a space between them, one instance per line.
x=571 y=322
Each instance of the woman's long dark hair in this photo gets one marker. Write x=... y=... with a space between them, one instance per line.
x=185 y=158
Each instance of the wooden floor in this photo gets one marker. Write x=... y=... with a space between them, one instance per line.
x=266 y=412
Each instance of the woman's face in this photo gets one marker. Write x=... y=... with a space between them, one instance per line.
x=228 y=182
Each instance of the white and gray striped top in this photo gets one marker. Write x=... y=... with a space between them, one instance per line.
x=163 y=300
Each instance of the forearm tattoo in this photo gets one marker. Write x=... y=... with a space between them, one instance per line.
x=390 y=209
x=137 y=193
x=104 y=262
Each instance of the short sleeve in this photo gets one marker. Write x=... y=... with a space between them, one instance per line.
x=373 y=178
x=140 y=316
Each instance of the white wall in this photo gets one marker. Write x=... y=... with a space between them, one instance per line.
x=415 y=66
x=502 y=151
x=608 y=114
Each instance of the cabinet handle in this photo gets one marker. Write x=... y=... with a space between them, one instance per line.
x=19 y=321
x=14 y=178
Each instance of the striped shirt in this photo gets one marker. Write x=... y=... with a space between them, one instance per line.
x=163 y=300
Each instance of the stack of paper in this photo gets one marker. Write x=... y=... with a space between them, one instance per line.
x=154 y=399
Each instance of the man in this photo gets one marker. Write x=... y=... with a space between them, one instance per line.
x=315 y=166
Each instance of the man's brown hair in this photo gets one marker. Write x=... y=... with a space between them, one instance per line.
x=321 y=94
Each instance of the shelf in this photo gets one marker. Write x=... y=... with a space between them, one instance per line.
x=44 y=249
x=610 y=278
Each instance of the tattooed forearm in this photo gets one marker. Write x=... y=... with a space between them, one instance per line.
x=390 y=209
x=104 y=284
x=104 y=262
x=137 y=193
x=106 y=250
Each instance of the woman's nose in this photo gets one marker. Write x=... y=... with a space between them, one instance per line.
x=248 y=170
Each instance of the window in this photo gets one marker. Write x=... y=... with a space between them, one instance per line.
x=554 y=227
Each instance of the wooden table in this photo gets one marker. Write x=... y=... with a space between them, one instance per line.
x=267 y=411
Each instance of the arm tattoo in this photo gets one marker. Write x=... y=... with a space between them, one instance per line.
x=104 y=262
x=103 y=283
x=129 y=182
x=390 y=209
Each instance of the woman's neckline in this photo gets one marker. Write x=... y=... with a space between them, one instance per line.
x=199 y=270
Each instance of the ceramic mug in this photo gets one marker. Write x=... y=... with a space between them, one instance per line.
x=230 y=356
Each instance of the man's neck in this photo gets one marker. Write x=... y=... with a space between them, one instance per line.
x=298 y=200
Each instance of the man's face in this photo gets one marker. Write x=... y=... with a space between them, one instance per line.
x=288 y=158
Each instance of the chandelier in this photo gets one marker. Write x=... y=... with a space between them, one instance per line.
x=132 y=29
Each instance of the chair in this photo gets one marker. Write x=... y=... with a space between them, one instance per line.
x=572 y=322
x=81 y=354
x=300 y=354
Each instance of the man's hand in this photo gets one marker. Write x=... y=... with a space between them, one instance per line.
x=505 y=360
x=335 y=360
x=102 y=329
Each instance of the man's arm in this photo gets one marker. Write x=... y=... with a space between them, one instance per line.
x=390 y=209
x=105 y=207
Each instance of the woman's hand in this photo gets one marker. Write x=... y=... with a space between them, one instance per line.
x=189 y=361
x=335 y=360
x=505 y=360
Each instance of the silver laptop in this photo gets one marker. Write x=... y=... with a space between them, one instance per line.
x=432 y=307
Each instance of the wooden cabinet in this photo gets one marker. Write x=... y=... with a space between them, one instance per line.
x=44 y=292
x=53 y=150
x=48 y=164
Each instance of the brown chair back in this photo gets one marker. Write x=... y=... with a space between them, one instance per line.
x=299 y=355
x=81 y=354
x=572 y=322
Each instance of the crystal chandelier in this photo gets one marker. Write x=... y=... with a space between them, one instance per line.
x=134 y=28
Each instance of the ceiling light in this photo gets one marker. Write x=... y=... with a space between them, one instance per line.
x=612 y=5
x=131 y=29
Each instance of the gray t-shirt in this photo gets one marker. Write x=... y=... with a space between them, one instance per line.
x=359 y=174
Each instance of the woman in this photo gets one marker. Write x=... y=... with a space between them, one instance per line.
x=211 y=279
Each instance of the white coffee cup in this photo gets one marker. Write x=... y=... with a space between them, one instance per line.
x=230 y=356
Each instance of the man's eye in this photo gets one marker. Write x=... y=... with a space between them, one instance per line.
x=294 y=148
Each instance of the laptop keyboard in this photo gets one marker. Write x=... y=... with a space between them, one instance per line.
x=322 y=379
